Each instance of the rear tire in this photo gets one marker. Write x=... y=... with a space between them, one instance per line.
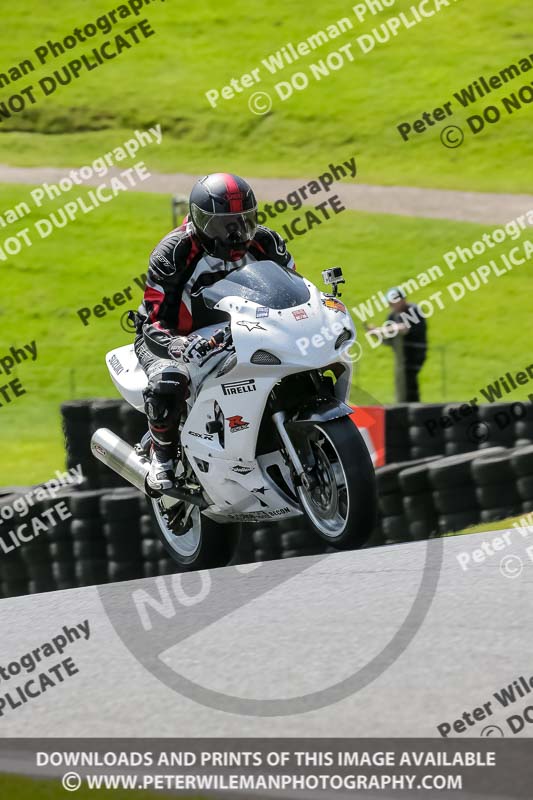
x=343 y=514
x=204 y=545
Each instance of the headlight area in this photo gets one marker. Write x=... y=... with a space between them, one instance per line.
x=329 y=334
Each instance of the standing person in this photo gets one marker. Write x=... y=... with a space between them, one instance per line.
x=405 y=320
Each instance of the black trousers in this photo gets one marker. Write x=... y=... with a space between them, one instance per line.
x=165 y=399
x=411 y=382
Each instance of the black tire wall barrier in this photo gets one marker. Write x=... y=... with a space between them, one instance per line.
x=443 y=483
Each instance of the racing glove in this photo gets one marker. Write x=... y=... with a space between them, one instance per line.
x=193 y=348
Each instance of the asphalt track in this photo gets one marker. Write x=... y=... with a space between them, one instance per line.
x=407 y=201
x=315 y=628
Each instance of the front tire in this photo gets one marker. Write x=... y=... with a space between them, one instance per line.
x=204 y=544
x=341 y=508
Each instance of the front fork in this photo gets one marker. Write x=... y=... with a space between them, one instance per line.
x=303 y=474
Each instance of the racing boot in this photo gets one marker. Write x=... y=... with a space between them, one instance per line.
x=162 y=472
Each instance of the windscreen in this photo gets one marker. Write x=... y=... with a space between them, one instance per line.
x=262 y=282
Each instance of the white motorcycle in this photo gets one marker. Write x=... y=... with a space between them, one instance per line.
x=267 y=435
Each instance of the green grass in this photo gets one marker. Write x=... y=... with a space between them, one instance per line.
x=18 y=788
x=353 y=111
x=499 y=525
x=100 y=254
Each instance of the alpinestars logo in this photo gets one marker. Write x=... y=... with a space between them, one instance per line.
x=250 y=326
x=260 y=491
x=236 y=423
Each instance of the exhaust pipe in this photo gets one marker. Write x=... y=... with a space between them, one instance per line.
x=119 y=456
x=123 y=459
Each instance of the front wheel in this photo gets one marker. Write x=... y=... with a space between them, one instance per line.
x=341 y=501
x=192 y=540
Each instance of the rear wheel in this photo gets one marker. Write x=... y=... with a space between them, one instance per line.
x=340 y=503
x=192 y=540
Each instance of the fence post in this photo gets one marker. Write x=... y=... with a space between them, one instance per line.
x=179 y=205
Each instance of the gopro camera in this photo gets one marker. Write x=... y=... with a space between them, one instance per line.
x=333 y=277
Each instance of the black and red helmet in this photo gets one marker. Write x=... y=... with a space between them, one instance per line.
x=223 y=211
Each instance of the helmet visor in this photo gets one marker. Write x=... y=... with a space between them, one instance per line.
x=230 y=228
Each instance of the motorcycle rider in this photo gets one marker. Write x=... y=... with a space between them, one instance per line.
x=219 y=234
